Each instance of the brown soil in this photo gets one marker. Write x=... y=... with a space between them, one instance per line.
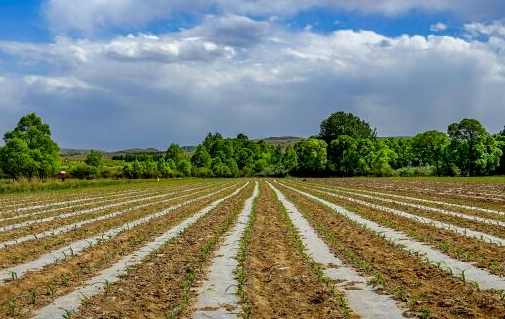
x=428 y=213
x=429 y=190
x=52 y=196
x=470 y=212
x=33 y=249
x=450 y=243
x=79 y=206
x=423 y=286
x=65 y=276
x=279 y=283
x=154 y=288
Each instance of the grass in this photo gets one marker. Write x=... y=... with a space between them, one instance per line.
x=8 y=186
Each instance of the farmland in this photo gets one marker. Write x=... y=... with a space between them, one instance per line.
x=256 y=248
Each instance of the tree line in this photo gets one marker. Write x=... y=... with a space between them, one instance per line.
x=345 y=146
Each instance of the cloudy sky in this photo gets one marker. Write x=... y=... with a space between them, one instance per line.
x=112 y=74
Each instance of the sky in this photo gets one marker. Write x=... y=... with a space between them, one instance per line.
x=115 y=74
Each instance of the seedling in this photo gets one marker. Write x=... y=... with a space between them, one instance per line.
x=11 y=304
x=84 y=300
x=67 y=314
x=14 y=275
x=32 y=293
x=106 y=287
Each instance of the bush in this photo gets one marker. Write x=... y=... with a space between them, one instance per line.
x=203 y=172
x=84 y=171
x=416 y=171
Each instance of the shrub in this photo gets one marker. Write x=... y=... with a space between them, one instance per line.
x=84 y=171
x=416 y=171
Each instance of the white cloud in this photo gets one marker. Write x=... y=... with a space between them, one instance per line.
x=260 y=80
x=437 y=27
x=52 y=84
x=497 y=28
x=90 y=15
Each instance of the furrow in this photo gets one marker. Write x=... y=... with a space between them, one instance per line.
x=482 y=277
x=78 y=213
x=79 y=246
x=363 y=299
x=94 y=286
x=79 y=224
x=217 y=297
x=453 y=228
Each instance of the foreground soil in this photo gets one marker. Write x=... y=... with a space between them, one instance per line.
x=62 y=278
x=483 y=254
x=156 y=287
x=279 y=283
x=420 y=286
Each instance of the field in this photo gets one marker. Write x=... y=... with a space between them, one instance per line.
x=256 y=248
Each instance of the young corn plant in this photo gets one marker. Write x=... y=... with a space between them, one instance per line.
x=12 y=306
x=33 y=295
x=241 y=259
x=67 y=314
x=85 y=301
x=340 y=300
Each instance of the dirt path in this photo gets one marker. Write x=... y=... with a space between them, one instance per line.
x=279 y=283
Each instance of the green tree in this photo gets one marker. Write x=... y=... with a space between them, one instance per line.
x=500 y=142
x=429 y=148
x=94 y=158
x=341 y=123
x=311 y=154
x=290 y=159
x=175 y=153
x=472 y=149
x=29 y=150
x=403 y=150
x=184 y=167
x=380 y=158
x=343 y=157
x=201 y=157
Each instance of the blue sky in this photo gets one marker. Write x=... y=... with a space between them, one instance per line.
x=112 y=74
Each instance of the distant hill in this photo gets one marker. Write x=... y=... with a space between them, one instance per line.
x=282 y=141
x=137 y=151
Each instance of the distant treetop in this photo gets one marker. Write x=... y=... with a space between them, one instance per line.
x=341 y=123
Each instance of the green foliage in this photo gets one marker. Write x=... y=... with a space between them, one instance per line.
x=311 y=154
x=341 y=123
x=472 y=149
x=29 y=150
x=94 y=158
x=415 y=171
x=429 y=149
x=84 y=171
x=175 y=153
x=201 y=158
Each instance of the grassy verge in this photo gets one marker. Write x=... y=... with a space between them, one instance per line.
x=21 y=186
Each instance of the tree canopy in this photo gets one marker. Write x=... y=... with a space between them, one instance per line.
x=29 y=150
x=341 y=123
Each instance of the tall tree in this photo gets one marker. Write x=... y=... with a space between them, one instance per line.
x=175 y=153
x=94 y=158
x=29 y=150
x=472 y=149
x=429 y=148
x=201 y=157
x=311 y=154
x=341 y=123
